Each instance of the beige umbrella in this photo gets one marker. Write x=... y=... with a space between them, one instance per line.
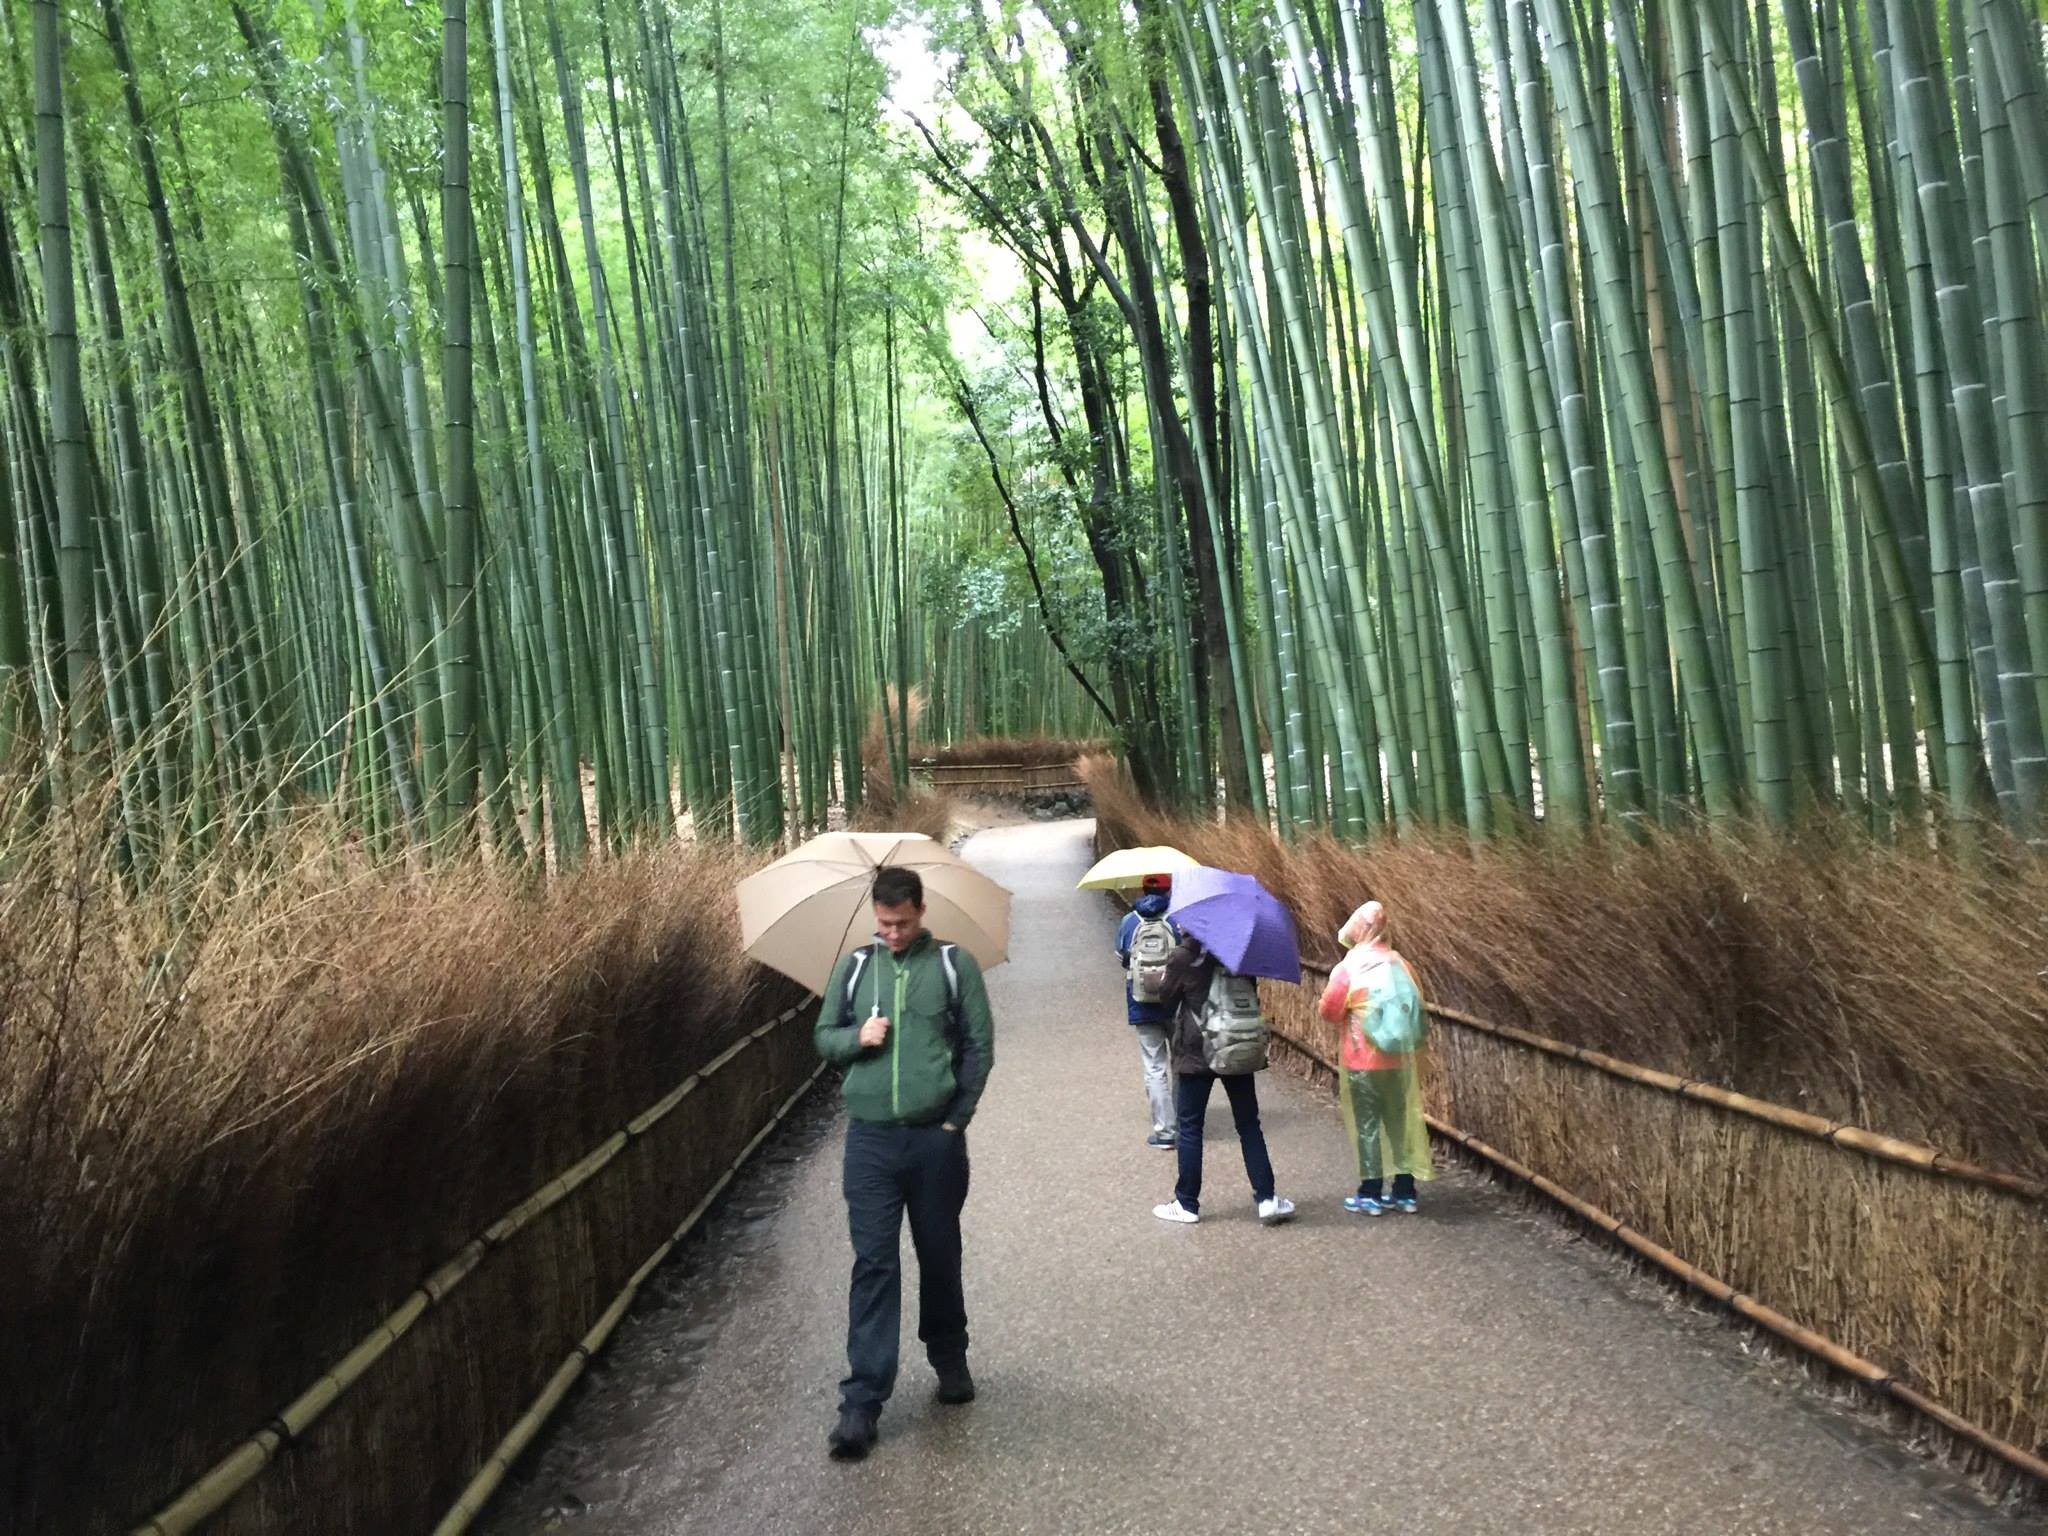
x=812 y=905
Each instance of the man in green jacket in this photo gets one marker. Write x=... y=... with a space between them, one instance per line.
x=908 y=1018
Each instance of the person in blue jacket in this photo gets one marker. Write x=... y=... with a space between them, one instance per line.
x=1143 y=942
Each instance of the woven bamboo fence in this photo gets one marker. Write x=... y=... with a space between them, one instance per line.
x=410 y=1430
x=1003 y=780
x=1920 y=1275
x=1938 y=1278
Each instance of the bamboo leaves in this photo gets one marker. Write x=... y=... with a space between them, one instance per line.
x=1463 y=410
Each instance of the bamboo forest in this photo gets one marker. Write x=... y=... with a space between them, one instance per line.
x=541 y=421
x=512 y=511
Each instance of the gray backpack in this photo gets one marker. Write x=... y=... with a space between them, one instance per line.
x=1233 y=1026
x=1151 y=943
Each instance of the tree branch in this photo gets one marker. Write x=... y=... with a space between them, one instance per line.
x=966 y=187
x=965 y=397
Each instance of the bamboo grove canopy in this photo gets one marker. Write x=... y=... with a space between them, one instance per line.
x=497 y=420
x=548 y=419
x=1590 y=407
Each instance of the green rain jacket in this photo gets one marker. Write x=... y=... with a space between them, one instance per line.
x=922 y=1074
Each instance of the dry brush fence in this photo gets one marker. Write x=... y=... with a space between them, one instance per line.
x=1002 y=779
x=1923 y=1276
x=416 y=1425
x=1007 y=767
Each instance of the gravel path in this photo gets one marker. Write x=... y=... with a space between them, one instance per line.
x=1474 y=1370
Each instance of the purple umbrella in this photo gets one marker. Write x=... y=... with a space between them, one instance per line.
x=1239 y=921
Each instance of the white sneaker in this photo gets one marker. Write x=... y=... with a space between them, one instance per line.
x=1276 y=1210
x=1172 y=1211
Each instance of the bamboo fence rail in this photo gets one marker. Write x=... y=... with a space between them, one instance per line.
x=1749 y=1308
x=1004 y=778
x=522 y=1434
x=1870 y=1144
x=242 y=1465
x=1853 y=1138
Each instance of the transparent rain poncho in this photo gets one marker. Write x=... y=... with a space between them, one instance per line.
x=1374 y=995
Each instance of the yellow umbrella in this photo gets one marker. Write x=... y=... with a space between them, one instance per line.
x=812 y=905
x=1128 y=867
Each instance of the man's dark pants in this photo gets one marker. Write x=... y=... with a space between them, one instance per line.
x=1191 y=1100
x=892 y=1171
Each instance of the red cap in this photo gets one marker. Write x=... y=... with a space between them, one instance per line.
x=1157 y=883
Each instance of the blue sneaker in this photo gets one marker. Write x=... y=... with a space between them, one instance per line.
x=1366 y=1205
x=1405 y=1205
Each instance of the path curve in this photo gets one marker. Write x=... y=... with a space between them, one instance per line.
x=1475 y=1370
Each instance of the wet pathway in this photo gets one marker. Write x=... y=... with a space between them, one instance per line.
x=1475 y=1370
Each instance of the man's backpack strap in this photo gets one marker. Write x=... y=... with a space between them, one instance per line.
x=948 y=961
x=861 y=957
x=955 y=1024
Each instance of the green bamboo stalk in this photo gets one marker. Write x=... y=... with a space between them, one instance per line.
x=1597 y=206
x=76 y=532
x=458 y=399
x=571 y=834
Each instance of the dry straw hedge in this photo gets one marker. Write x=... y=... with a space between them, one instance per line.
x=882 y=809
x=243 y=1115
x=920 y=810
x=1886 y=987
x=1762 y=967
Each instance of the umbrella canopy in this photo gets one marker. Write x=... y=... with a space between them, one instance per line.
x=812 y=905
x=1239 y=921
x=1128 y=867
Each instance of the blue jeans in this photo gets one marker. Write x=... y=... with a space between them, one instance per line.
x=892 y=1171
x=1191 y=1101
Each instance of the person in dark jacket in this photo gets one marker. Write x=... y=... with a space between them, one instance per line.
x=1189 y=973
x=1152 y=1021
x=908 y=1018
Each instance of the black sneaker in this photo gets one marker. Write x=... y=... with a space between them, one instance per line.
x=853 y=1436
x=955 y=1384
x=1160 y=1139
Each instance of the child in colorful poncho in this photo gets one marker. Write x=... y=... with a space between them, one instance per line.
x=1373 y=994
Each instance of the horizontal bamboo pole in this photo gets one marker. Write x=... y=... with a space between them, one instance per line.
x=1890 y=1149
x=463 y=1512
x=1065 y=772
x=978 y=780
x=240 y=1467
x=1748 y=1307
